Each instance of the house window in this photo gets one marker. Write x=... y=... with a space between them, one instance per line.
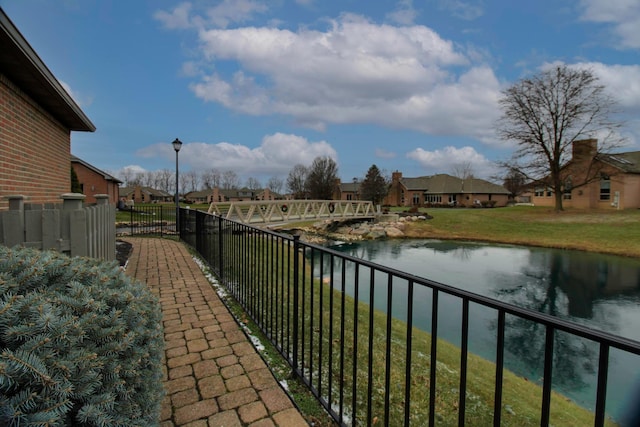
x=433 y=198
x=538 y=192
x=605 y=187
x=416 y=199
x=568 y=186
x=349 y=196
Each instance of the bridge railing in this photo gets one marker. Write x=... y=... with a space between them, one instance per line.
x=367 y=339
x=274 y=211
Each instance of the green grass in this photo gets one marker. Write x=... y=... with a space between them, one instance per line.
x=613 y=232
x=521 y=401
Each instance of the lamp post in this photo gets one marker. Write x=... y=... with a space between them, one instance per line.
x=177 y=144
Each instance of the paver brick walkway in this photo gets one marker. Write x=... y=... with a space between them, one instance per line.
x=213 y=375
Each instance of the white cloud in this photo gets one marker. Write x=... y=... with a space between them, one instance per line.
x=444 y=160
x=384 y=154
x=466 y=10
x=623 y=15
x=226 y=12
x=178 y=18
x=622 y=81
x=404 y=14
x=232 y=11
x=276 y=155
x=355 y=71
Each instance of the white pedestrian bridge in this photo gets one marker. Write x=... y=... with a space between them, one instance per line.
x=282 y=211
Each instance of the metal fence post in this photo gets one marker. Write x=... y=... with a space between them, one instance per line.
x=296 y=276
x=220 y=248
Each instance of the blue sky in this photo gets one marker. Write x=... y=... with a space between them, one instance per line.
x=259 y=86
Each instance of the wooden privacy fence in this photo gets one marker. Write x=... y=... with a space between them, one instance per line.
x=70 y=227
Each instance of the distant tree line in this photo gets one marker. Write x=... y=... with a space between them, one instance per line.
x=316 y=181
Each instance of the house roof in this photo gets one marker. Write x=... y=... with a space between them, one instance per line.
x=350 y=186
x=199 y=194
x=447 y=184
x=627 y=162
x=22 y=65
x=125 y=191
x=105 y=175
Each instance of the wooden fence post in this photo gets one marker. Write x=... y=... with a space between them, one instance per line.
x=13 y=221
x=74 y=223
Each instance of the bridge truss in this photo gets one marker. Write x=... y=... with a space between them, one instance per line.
x=276 y=211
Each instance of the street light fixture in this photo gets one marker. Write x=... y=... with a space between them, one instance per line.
x=177 y=144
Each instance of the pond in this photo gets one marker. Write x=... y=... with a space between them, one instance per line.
x=595 y=290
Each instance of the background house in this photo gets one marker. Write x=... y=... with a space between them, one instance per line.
x=139 y=194
x=348 y=190
x=243 y=194
x=38 y=116
x=443 y=189
x=594 y=180
x=94 y=181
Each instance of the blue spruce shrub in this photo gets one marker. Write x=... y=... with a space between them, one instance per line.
x=80 y=343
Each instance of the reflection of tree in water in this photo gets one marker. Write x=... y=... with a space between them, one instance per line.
x=574 y=357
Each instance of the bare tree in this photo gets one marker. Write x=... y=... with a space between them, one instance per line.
x=295 y=181
x=321 y=179
x=166 y=180
x=210 y=179
x=463 y=170
x=148 y=178
x=184 y=183
x=514 y=182
x=545 y=114
x=253 y=183
x=275 y=184
x=192 y=181
x=126 y=175
x=230 y=180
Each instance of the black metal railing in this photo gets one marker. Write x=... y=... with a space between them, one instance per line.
x=156 y=220
x=363 y=337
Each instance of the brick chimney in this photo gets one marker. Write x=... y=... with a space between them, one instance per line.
x=396 y=176
x=585 y=149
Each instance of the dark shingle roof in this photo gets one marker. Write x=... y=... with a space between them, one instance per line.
x=447 y=184
x=627 y=162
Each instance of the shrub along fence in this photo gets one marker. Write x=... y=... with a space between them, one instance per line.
x=347 y=327
x=70 y=227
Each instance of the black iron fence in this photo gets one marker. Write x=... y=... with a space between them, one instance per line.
x=156 y=220
x=366 y=341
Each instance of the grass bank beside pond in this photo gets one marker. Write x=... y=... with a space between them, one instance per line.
x=612 y=232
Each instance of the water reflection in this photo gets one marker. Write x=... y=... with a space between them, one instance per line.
x=598 y=291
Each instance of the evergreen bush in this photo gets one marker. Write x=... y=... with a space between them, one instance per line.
x=81 y=343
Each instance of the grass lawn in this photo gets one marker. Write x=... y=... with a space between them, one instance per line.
x=613 y=232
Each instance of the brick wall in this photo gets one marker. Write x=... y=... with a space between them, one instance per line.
x=94 y=183
x=34 y=149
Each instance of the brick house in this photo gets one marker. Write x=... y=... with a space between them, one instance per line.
x=243 y=194
x=594 y=180
x=37 y=116
x=347 y=190
x=94 y=181
x=443 y=189
x=140 y=194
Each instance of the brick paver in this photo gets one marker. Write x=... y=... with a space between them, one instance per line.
x=213 y=375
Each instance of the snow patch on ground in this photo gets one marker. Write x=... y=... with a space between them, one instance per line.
x=223 y=294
